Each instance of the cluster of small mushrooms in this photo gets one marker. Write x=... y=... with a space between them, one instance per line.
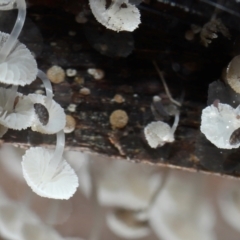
x=45 y=171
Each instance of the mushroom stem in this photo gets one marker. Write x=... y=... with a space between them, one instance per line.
x=56 y=158
x=47 y=84
x=176 y=121
x=165 y=85
x=98 y=216
x=11 y=99
x=11 y=41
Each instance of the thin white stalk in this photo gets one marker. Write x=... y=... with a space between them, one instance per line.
x=47 y=84
x=11 y=98
x=56 y=159
x=176 y=121
x=11 y=41
x=165 y=85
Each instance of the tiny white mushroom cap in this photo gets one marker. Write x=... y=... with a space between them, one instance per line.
x=23 y=114
x=233 y=73
x=124 y=225
x=57 y=118
x=62 y=185
x=229 y=203
x=158 y=133
x=218 y=124
x=19 y=67
x=116 y=17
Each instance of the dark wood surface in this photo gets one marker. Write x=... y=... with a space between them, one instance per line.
x=189 y=68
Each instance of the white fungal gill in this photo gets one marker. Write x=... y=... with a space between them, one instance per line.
x=47 y=173
x=119 y=16
x=16 y=110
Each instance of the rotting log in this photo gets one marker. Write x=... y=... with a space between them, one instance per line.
x=56 y=38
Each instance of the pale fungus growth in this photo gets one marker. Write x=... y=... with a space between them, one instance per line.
x=210 y=30
x=219 y=123
x=71 y=72
x=118 y=119
x=46 y=114
x=158 y=133
x=85 y=91
x=97 y=74
x=124 y=224
x=233 y=74
x=118 y=98
x=56 y=74
x=72 y=107
x=119 y=16
x=47 y=173
x=70 y=124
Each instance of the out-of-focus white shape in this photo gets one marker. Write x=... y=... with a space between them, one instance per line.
x=229 y=203
x=121 y=184
x=15 y=116
x=232 y=74
x=11 y=158
x=57 y=118
x=120 y=16
x=12 y=218
x=218 y=124
x=158 y=133
x=75 y=159
x=39 y=231
x=6 y=4
x=61 y=185
x=124 y=224
x=19 y=67
x=178 y=214
x=3 y=130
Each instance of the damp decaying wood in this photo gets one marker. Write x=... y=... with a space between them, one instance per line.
x=56 y=38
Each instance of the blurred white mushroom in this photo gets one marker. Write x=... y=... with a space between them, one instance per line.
x=16 y=110
x=49 y=115
x=47 y=173
x=119 y=16
x=10 y=158
x=124 y=224
x=219 y=124
x=181 y=213
x=121 y=184
x=229 y=203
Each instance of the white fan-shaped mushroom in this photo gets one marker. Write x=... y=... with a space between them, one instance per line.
x=125 y=225
x=120 y=16
x=47 y=173
x=17 y=65
x=16 y=110
x=56 y=118
x=219 y=123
